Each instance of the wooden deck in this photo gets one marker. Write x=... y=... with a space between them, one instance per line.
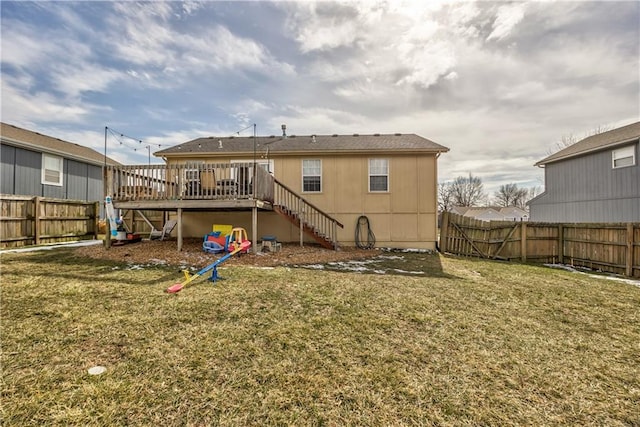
x=191 y=186
x=215 y=186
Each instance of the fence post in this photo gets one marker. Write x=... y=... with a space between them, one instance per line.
x=629 y=262
x=560 y=244
x=444 y=229
x=96 y=219
x=36 y=221
x=523 y=241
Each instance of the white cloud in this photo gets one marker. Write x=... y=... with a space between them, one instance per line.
x=419 y=52
x=507 y=18
x=75 y=80
x=147 y=37
x=427 y=63
x=20 y=106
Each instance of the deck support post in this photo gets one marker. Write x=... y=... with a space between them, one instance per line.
x=179 y=229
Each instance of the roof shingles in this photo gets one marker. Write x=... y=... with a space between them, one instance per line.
x=596 y=142
x=307 y=143
x=14 y=135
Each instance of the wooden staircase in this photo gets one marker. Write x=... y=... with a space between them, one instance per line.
x=311 y=220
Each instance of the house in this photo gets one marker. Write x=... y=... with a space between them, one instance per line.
x=514 y=213
x=328 y=179
x=596 y=179
x=34 y=164
x=511 y=213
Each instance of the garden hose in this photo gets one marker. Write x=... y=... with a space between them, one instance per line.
x=363 y=222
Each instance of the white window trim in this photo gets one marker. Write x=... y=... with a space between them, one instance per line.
x=622 y=153
x=369 y=175
x=303 y=175
x=60 y=170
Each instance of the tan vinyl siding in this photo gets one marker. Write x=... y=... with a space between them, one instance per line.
x=403 y=217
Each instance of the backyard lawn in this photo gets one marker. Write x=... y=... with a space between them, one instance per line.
x=466 y=342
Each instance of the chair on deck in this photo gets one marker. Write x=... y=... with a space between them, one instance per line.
x=165 y=232
x=208 y=185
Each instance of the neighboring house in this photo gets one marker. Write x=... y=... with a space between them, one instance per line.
x=390 y=179
x=489 y=213
x=513 y=213
x=596 y=179
x=33 y=164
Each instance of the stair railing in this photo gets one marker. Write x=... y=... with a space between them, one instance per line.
x=310 y=217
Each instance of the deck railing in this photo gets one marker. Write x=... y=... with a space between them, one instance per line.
x=188 y=181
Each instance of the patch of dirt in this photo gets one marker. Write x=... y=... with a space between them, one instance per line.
x=192 y=255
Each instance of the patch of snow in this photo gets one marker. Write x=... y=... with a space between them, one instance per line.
x=390 y=257
x=73 y=244
x=419 y=251
x=408 y=250
x=397 y=270
x=597 y=276
x=313 y=266
x=355 y=268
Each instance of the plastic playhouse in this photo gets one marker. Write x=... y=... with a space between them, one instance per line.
x=223 y=238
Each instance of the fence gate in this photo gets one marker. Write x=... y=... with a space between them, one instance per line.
x=611 y=247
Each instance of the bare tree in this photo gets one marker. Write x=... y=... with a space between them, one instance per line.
x=570 y=139
x=565 y=141
x=467 y=191
x=511 y=195
x=445 y=197
x=533 y=192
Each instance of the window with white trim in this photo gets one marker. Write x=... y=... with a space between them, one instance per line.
x=52 y=170
x=623 y=157
x=312 y=176
x=378 y=175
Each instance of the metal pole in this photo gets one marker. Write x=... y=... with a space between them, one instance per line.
x=255 y=178
x=104 y=183
x=105 y=146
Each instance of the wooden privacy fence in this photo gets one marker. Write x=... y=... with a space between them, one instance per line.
x=28 y=220
x=611 y=247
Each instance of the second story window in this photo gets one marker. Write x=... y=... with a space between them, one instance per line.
x=378 y=175
x=311 y=176
x=622 y=157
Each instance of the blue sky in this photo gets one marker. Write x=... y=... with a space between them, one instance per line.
x=499 y=83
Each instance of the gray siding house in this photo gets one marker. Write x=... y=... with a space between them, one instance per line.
x=32 y=164
x=596 y=179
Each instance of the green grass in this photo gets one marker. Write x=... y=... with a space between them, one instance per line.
x=470 y=343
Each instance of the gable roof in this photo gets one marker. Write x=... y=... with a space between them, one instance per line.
x=601 y=141
x=307 y=144
x=13 y=135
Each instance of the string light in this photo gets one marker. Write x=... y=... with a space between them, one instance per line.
x=128 y=141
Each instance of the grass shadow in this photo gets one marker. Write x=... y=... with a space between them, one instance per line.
x=58 y=264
